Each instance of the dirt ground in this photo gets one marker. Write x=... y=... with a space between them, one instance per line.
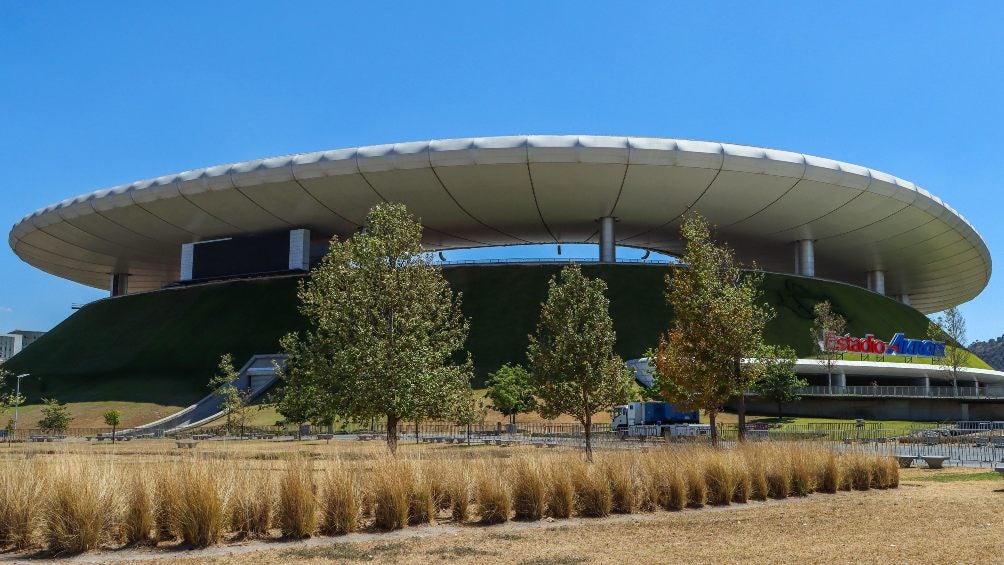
x=950 y=516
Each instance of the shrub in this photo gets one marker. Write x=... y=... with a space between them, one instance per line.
x=339 y=502
x=297 y=508
x=529 y=492
x=81 y=509
x=20 y=512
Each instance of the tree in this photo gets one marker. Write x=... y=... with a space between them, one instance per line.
x=113 y=419
x=467 y=411
x=571 y=353
x=511 y=391
x=950 y=327
x=778 y=381
x=719 y=323
x=384 y=328
x=234 y=400
x=827 y=325
x=55 y=416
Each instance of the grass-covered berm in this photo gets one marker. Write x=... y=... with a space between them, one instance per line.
x=162 y=347
x=76 y=500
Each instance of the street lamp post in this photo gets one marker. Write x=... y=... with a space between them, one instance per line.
x=17 y=399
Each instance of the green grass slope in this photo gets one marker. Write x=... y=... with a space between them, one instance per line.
x=164 y=346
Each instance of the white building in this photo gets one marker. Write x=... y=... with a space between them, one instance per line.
x=12 y=343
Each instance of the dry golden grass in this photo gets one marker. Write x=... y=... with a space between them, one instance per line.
x=880 y=526
x=114 y=498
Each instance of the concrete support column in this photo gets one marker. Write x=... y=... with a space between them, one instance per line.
x=805 y=258
x=120 y=284
x=840 y=380
x=904 y=298
x=187 y=260
x=876 y=281
x=299 y=250
x=608 y=243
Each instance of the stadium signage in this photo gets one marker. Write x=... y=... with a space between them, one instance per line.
x=898 y=345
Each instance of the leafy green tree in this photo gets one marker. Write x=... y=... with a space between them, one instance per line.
x=511 y=391
x=571 y=353
x=826 y=325
x=719 y=322
x=55 y=416
x=113 y=418
x=384 y=329
x=778 y=381
x=950 y=327
x=235 y=405
x=467 y=411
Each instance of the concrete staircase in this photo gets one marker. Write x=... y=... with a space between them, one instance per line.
x=256 y=376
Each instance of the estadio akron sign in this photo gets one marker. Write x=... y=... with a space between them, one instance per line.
x=898 y=345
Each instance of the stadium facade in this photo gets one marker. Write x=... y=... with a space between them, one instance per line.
x=797 y=215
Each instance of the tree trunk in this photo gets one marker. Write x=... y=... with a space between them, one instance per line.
x=737 y=375
x=589 y=437
x=392 y=434
x=712 y=414
x=742 y=418
x=113 y=435
x=779 y=412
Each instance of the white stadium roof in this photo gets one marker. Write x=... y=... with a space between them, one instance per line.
x=494 y=191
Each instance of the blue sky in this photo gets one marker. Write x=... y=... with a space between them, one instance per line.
x=97 y=94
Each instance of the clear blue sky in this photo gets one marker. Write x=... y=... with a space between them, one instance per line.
x=97 y=94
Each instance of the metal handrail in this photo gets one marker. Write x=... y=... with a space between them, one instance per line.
x=905 y=391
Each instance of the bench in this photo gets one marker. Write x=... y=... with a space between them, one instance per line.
x=186 y=444
x=905 y=461
x=934 y=461
x=326 y=437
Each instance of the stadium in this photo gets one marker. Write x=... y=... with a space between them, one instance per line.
x=206 y=262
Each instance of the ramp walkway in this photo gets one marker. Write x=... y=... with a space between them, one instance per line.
x=256 y=376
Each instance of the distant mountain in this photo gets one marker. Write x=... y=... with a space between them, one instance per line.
x=991 y=351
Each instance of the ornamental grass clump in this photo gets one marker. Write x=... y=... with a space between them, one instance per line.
x=804 y=464
x=830 y=473
x=340 y=502
x=200 y=510
x=592 y=491
x=81 y=509
x=619 y=476
x=560 y=491
x=529 y=489
x=166 y=503
x=779 y=471
x=296 y=512
x=892 y=470
x=391 y=485
x=493 y=496
x=458 y=490
x=137 y=518
x=696 y=480
x=859 y=469
x=20 y=511
x=721 y=477
x=252 y=504
x=756 y=468
x=421 y=501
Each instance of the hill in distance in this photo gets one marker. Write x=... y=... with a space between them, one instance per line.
x=991 y=351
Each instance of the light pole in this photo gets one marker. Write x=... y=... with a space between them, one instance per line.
x=17 y=399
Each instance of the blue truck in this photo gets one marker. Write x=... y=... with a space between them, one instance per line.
x=644 y=419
